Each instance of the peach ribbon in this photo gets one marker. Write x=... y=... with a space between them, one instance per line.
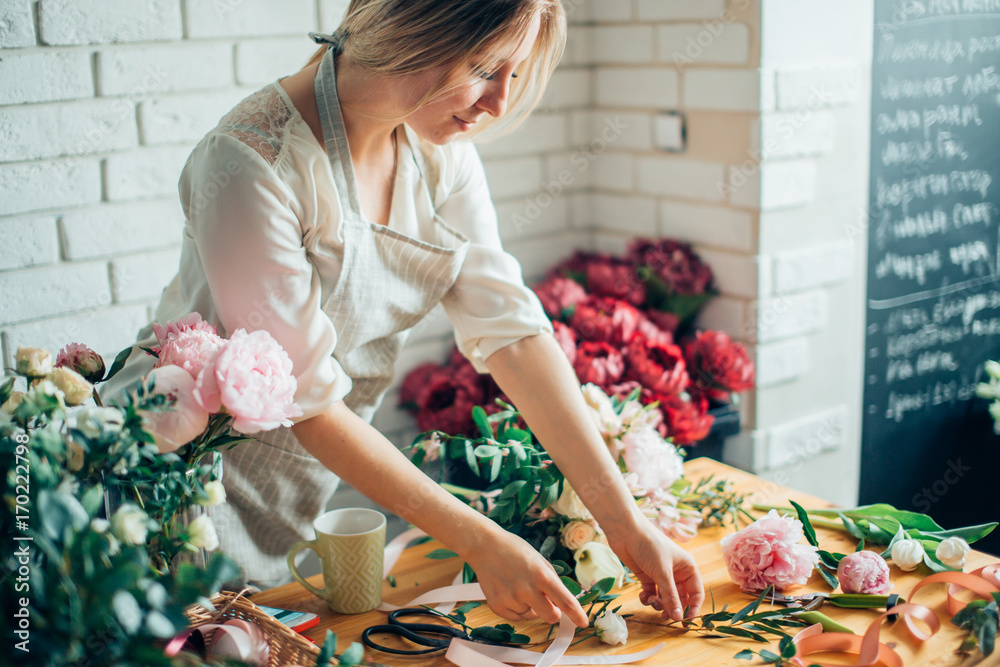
x=870 y=650
x=470 y=654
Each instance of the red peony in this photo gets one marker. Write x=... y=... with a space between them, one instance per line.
x=414 y=382
x=604 y=319
x=559 y=294
x=599 y=363
x=649 y=330
x=663 y=319
x=566 y=338
x=658 y=367
x=616 y=278
x=675 y=263
x=577 y=264
x=445 y=404
x=718 y=365
x=686 y=421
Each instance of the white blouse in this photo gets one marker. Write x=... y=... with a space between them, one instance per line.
x=261 y=242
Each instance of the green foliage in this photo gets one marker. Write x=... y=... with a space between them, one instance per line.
x=981 y=619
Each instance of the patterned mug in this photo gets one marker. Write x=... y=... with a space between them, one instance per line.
x=350 y=544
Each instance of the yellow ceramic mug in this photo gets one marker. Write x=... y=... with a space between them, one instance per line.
x=350 y=544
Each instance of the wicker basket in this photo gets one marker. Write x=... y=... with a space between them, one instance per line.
x=287 y=646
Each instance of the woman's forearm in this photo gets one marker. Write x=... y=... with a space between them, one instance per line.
x=366 y=460
x=536 y=376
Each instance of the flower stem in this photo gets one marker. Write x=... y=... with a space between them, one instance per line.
x=819 y=523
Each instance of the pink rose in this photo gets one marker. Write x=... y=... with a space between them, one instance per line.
x=190 y=349
x=654 y=461
x=190 y=321
x=186 y=420
x=252 y=378
x=83 y=360
x=864 y=572
x=559 y=294
x=768 y=553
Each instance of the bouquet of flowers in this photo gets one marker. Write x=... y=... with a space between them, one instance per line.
x=506 y=473
x=96 y=584
x=618 y=320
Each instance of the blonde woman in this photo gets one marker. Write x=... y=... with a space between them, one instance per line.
x=335 y=208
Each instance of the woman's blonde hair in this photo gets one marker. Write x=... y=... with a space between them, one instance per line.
x=397 y=37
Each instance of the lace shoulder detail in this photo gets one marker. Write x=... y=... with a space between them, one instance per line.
x=259 y=121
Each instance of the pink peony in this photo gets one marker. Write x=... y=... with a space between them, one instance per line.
x=655 y=462
x=83 y=360
x=559 y=294
x=186 y=420
x=190 y=349
x=768 y=553
x=190 y=321
x=252 y=378
x=864 y=572
x=598 y=363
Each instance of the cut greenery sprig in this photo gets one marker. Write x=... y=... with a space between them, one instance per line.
x=981 y=619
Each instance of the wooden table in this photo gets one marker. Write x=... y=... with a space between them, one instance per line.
x=415 y=574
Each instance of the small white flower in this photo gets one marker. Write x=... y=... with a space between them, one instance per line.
x=202 y=535
x=952 y=552
x=100 y=525
x=596 y=561
x=907 y=554
x=601 y=411
x=129 y=524
x=610 y=628
x=95 y=422
x=33 y=361
x=216 y=493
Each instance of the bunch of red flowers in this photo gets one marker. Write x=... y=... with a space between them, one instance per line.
x=617 y=320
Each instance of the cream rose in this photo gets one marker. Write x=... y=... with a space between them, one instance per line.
x=610 y=628
x=73 y=385
x=33 y=361
x=578 y=533
x=215 y=494
x=130 y=524
x=569 y=504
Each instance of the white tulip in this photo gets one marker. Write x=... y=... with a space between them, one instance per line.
x=952 y=552
x=202 y=535
x=216 y=493
x=596 y=561
x=611 y=628
x=129 y=524
x=907 y=554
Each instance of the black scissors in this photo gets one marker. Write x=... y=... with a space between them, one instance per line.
x=433 y=635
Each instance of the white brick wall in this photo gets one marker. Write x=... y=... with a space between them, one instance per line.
x=45 y=77
x=105 y=21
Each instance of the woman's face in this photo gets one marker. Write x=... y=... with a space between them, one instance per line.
x=459 y=111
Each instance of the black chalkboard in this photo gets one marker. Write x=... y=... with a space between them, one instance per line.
x=933 y=265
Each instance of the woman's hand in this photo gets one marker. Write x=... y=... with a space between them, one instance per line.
x=519 y=584
x=669 y=576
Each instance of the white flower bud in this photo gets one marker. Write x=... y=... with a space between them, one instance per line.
x=201 y=534
x=129 y=524
x=596 y=561
x=907 y=554
x=610 y=628
x=952 y=552
x=216 y=493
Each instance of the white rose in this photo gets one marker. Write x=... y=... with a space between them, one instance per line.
x=596 y=561
x=33 y=361
x=129 y=524
x=97 y=422
x=611 y=628
x=993 y=369
x=569 y=504
x=75 y=388
x=216 y=493
x=202 y=535
x=577 y=533
x=11 y=403
x=907 y=554
x=952 y=552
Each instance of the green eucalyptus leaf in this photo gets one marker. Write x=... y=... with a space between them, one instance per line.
x=547 y=495
x=127 y=611
x=511 y=490
x=441 y=554
x=486 y=451
x=745 y=654
x=328 y=650
x=470 y=457
x=740 y=632
x=354 y=654
x=482 y=422
x=519 y=435
x=572 y=585
x=160 y=626
x=548 y=546
x=769 y=656
x=495 y=467
x=118 y=364
x=787 y=648
x=524 y=497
